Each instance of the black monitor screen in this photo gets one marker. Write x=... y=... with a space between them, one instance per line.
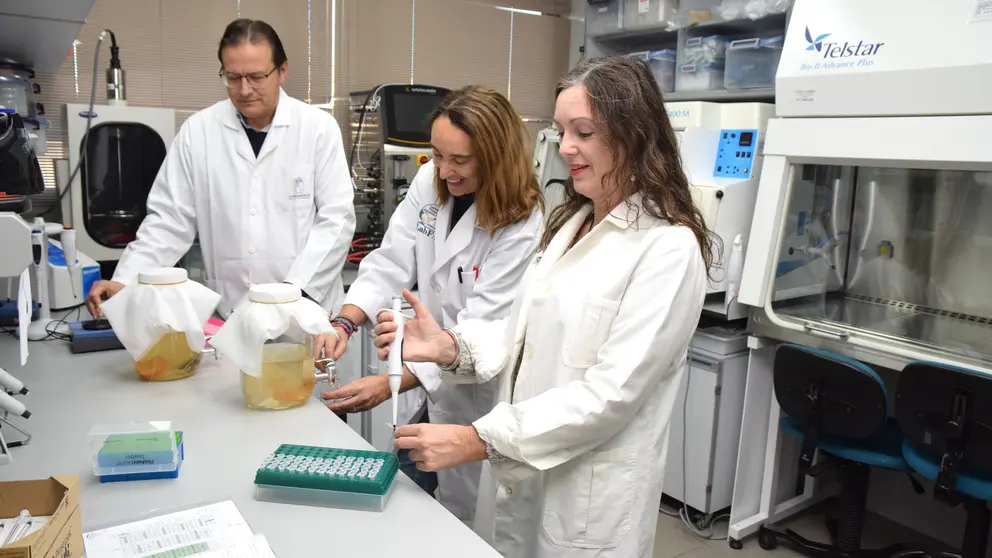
x=411 y=112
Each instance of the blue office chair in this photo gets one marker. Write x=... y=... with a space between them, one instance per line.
x=838 y=406
x=946 y=415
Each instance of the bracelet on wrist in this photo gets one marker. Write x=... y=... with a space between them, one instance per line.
x=346 y=324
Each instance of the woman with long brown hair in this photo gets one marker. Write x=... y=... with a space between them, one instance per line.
x=464 y=234
x=590 y=359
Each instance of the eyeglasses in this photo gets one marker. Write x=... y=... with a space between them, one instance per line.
x=233 y=81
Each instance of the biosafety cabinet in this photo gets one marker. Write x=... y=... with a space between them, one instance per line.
x=872 y=234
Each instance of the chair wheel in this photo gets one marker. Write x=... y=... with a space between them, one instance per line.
x=767 y=540
x=735 y=544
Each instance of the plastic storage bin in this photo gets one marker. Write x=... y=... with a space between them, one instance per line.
x=604 y=17
x=752 y=62
x=14 y=94
x=663 y=65
x=326 y=477
x=643 y=14
x=700 y=77
x=703 y=50
x=135 y=451
x=697 y=11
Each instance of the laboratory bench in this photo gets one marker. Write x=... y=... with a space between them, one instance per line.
x=224 y=443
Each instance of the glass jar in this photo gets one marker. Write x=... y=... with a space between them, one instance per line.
x=287 y=377
x=171 y=357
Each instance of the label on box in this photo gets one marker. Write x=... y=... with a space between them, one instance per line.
x=643 y=6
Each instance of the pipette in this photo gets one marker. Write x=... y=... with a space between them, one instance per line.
x=395 y=359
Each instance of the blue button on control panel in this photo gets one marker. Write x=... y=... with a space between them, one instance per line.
x=736 y=153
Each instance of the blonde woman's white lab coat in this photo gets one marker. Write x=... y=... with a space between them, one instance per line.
x=418 y=248
x=287 y=215
x=601 y=335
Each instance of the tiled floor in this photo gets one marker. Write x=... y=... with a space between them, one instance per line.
x=673 y=539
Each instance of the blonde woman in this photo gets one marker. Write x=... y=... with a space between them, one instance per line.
x=464 y=234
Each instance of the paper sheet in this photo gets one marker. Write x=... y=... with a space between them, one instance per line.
x=24 y=312
x=187 y=533
x=258 y=547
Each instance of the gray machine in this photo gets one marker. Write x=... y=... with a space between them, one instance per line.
x=390 y=142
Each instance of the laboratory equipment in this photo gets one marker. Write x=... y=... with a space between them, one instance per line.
x=39 y=35
x=20 y=172
x=270 y=338
x=14 y=94
x=552 y=170
x=705 y=430
x=870 y=238
x=391 y=141
x=327 y=477
x=122 y=152
x=85 y=338
x=721 y=146
x=69 y=284
x=752 y=62
x=159 y=320
x=396 y=358
x=11 y=384
x=136 y=451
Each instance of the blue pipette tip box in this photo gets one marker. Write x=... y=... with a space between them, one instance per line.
x=327 y=477
x=136 y=451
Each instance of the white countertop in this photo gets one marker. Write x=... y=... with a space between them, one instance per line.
x=224 y=444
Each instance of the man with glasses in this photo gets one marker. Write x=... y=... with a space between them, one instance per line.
x=260 y=177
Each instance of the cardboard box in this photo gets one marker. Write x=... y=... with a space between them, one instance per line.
x=57 y=497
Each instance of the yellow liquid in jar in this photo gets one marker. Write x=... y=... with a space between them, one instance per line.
x=169 y=359
x=287 y=378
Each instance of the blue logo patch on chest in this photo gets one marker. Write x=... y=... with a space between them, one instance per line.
x=427 y=220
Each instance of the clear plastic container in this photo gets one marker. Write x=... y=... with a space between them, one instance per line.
x=663 y=66
x=14 y=94
x=752 y=62
x=704 y=50
x=135 y=450
x=604 y=17
x=700 y=77
x=644 y=14
x=691 y=12
x=287 y=377
x=38 y=130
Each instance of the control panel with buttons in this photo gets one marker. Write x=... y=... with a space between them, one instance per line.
x=736 y=153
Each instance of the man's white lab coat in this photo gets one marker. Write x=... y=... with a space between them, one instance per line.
x=286 y=215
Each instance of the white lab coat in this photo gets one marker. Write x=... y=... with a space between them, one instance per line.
x=288 y=215
x=418 y=248
x=601 y=335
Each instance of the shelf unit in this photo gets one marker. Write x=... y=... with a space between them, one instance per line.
x=637 y=40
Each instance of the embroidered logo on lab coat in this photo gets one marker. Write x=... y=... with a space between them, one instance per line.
x=299 y=190
x=428 y=217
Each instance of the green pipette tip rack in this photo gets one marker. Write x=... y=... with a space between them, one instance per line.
x=330 y=477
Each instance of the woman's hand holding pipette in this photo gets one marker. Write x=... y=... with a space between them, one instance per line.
x=423 y=338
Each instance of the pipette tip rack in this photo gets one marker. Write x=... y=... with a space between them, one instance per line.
x=326 y=477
